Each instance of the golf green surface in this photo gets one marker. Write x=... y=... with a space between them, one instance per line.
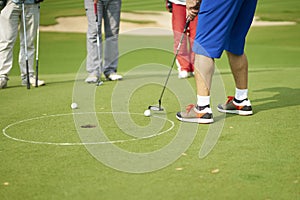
x=107 y=149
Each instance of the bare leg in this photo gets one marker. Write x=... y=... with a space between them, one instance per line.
x=204 y=70
x=201 y=112
x=239 y=68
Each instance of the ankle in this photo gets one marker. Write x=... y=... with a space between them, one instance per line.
x=200 y=108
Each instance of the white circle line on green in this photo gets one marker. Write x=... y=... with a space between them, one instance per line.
x=4 y=131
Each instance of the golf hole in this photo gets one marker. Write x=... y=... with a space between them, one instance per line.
x=88 y=126
x=63 y=130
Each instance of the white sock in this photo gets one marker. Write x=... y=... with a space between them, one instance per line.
x=241 y=94
x=203 y=100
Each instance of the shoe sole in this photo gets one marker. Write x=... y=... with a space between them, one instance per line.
x=195 y=120
x=33 y=84
x=109 y=79
x=91 y=81
x=95 y=80
x=184 y=77
x=4 y=86
x=238 y=112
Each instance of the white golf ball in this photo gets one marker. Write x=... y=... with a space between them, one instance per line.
x=147 y=113
x=74 y=106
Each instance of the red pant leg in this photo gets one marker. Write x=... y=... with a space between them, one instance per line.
x=185 y=55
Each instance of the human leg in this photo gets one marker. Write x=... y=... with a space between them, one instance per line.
x=204 y=70
x=9 y=20
x=178 y=23
x=239 y=104
x=93 y=61
x=239 y=69
x=31 y=24
x=201 y=112
x=111 y=16
x=192 y=34
x=236 y=42
x=31 y=21
x=209 y=44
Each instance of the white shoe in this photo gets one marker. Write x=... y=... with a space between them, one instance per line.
x=32 y=81
x=182 y=73
x=114 y=77
x=3 y=82
x=92 y=79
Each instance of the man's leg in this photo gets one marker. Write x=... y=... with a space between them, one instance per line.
x=93 y=61
x=9 y=20
x=239 y=69
x=178 y=23
x=238 y=104
x=201 y=112
x=192 y=31
x=31 y=20
x=111 y=15
x=204 y=70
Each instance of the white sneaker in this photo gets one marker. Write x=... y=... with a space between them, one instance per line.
x=114 y=77
x=92 y=79
x=32 y=81
x=3 y=82
x=182 y=73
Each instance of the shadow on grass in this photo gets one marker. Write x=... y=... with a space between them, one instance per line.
x=283 y=97
x=60 y=82
x=251 y=71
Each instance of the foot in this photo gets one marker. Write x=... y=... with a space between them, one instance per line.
x=92 y=78
x=114 y=77
x=32 y=81
x=236 y=106
x=182 y=73
x=3 y=82
x=196 y=114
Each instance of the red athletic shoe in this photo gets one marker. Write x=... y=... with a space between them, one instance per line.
x=235 y=106
x=196 y=114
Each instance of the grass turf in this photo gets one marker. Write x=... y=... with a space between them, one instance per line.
x=257 y=156
x=268 y=9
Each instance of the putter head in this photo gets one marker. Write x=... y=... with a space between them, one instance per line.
x=155 y=108
x=99 y=83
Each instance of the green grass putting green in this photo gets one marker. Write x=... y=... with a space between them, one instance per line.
x=256 y=157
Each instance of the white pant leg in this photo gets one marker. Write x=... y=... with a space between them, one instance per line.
x=9 y=21
x=111 y=27
x=93 y=61
x=31 y=24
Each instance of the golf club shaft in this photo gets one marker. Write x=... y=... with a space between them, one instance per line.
x=37 y=50
x=174 y=60
x=25 y=45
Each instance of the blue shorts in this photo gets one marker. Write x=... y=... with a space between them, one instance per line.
x=223 y=25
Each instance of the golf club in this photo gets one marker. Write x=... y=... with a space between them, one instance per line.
x=25 y=43
x=159 y=108
x=37 y=50
x=98 y=43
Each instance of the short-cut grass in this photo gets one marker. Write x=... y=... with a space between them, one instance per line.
x=256 y=157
